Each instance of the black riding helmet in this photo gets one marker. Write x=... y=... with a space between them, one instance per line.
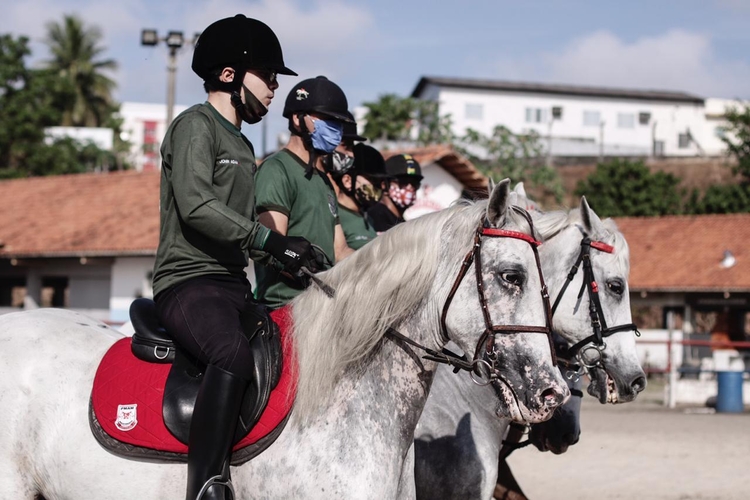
x=350 y=130
x=368 y=162
x=318 y=95
x=241 y=43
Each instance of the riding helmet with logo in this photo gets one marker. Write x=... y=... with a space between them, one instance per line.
x=403 y=166
x=241 y=43
x=318 y=95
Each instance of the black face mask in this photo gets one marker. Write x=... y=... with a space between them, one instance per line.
x=252 y=110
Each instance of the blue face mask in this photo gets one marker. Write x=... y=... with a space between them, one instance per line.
x=327 y=135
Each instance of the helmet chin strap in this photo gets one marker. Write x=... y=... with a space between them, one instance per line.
x=252 y=110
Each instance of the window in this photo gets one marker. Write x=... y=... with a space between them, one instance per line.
x=557 y=112
x=683 y=141
x=644 y=117
x=591 y=118
x=658 y=148
x=474 y=111
x=536 y=115
x=625 y=120
x=720 y=132
x=12 y=292
x=54 y=292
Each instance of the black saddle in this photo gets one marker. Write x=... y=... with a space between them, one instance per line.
x=152 y=343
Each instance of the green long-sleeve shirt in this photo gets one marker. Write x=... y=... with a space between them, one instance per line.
x=207 y=199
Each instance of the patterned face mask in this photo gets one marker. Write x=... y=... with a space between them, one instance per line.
x=402 y=196
x=367 y=195
x=339 y=163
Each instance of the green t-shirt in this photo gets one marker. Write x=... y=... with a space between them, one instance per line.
x=207 y=199
x=310 y=204
x=357 y=229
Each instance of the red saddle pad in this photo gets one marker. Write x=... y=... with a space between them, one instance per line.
x=127 y=397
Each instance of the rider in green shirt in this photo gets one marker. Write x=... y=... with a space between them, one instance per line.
x=208 y=226
x=293 y=194
x=358 y=188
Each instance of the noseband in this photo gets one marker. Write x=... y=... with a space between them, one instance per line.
x=485 y=353
x=596 y=313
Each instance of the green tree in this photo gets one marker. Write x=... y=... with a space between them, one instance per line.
x=393 y=118
x=519 y=157
x=737 y=139
x=75 y=52
x=628 y=188
x=722 y=199
x=31 y=100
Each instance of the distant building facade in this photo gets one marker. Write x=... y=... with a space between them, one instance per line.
x=578 y=121
x=144 y=126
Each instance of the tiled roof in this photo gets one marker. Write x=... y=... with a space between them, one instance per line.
x=451 y=160
x=118 y=214
x=683 y=253
x=77 y=215
x=558 y=89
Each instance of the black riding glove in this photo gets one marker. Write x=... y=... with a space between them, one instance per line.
x=292 y=252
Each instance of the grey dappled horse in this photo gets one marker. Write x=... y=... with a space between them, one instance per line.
x=359 y=394
x=458 y=441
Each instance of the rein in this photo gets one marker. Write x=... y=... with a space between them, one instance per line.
x=596 y=313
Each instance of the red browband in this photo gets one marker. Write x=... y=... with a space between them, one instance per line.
x=511 y=234
x=603 y=247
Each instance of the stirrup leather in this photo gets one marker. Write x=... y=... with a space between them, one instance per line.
x=217 y=480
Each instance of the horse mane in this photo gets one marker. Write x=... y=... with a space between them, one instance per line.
x=380 y=285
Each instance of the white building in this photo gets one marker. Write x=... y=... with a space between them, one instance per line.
x=144 y=125
x=578 y=121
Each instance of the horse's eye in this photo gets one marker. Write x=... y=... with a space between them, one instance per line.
x=616 y=286
x=513 y=277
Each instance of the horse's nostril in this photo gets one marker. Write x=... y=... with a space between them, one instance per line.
x=552 y=398
x=638 y=384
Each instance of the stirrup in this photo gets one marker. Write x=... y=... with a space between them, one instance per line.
x=218 y=481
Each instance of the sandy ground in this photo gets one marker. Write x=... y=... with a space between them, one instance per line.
x=644 y=451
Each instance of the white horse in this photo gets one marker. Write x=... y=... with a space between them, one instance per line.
x=459 y=437
x=359 y=395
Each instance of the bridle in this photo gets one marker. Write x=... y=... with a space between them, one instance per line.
x=594 y=342
x=485 y=353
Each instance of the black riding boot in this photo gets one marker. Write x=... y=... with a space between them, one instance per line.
x=217 y=408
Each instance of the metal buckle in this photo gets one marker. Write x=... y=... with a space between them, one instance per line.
x=156 y=353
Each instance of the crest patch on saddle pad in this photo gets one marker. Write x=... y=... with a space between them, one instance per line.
x=127 y=417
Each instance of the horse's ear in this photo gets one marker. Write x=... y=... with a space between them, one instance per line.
x=498 y=204
x=591 y=222
x=490 y=185
x=520 y=190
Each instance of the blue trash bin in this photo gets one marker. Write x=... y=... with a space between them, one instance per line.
x=729 y=397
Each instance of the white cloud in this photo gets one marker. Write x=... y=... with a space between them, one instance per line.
x=675 y=60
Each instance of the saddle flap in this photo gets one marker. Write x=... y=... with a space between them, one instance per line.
x=186 y=375
x=150 y=342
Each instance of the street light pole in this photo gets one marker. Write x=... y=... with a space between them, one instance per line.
x=171 y=80
x=174 y=40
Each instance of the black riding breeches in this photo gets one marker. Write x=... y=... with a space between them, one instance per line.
x=203 y=316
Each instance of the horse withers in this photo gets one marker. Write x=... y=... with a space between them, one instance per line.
x=359 y=393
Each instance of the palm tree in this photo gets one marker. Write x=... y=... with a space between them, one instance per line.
x=75 y=49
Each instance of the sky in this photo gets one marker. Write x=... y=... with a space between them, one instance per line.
x=373 y=47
